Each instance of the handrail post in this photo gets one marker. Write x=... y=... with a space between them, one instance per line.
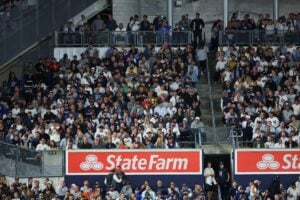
x=200 y=138
x=17 y=161
x=211 y=104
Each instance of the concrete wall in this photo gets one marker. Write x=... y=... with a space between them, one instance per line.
x=123 y=9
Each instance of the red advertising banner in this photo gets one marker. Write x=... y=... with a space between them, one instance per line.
x=135 y=162
x=267 y=161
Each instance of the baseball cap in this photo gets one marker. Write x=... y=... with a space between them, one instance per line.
x=221 y=163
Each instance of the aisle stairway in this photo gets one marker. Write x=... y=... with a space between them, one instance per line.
x=216 y=91
x=212 y=147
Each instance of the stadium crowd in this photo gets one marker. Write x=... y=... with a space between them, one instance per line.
x=261 y=93
x=101 y=31
x=129 y=99
x=265 y=22
x=117 y=187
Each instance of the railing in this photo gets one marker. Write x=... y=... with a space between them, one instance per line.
x=19 y=162
x=122 y=38
x=245 y=37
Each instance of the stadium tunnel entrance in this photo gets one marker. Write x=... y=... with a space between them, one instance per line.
x=215 y=160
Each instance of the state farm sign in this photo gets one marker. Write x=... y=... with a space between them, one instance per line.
x=267 y=161
x=134 y=162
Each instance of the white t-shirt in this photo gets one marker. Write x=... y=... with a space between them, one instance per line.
x=209 y=176
x=291 y=193
x=221 y=65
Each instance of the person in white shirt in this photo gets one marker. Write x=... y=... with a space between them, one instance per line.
x=292 y=192
x=201 y=57
x=226 y=75
x=42 y=146
x=171 y=109
x=273 y=119
x=160 y=109
x=148 y=193
x=296 y=107
x=220 y=66
x=298 y=187
x=210 y=181
x=135 y=23
x=121 y=34
x=269 y=144
x=279 y=144
x=61 y=189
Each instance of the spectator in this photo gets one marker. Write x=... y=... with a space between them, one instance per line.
x=223 y=180
x=148 y=193
x=197 y=25
x=198 y=192
x=42 y=146
x=121 y=34
x=210 y=181
x=297 y=183
x=292 y=192
x=111 y=23
x=97 y=23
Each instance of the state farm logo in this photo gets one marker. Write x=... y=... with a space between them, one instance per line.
x=91 y=162
x=152 y=162
x=267 y=162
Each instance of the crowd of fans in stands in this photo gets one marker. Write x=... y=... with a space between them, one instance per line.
x=96 y=31
x=261 y=93
x=159 y=190
x=129 y=99
x=264 y=22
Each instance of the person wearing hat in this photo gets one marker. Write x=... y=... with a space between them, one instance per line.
x=223 y=180
x=254 y=190
x=198 y=125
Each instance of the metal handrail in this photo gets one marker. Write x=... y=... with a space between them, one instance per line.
x=249 y=37
x=213 y=118
x=121 y=38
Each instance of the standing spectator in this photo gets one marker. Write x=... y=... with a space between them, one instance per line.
x=216 y=27
x=223 y=180
x=184 y=24
x=111 y=23
x=121 y=175
x=210 y=181
x=121 y=34
x=164 y=32
x=201 y=57
x=274 y=187
x=145 y=24
x=197 y=25
x=97 y=23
